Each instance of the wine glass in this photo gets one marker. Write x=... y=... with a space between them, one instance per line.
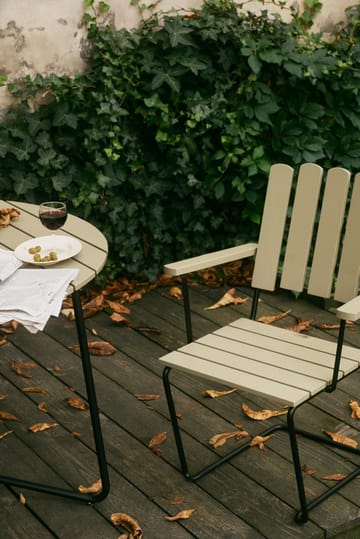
x=53 y=214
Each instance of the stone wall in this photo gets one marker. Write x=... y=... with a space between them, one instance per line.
x=43 y=36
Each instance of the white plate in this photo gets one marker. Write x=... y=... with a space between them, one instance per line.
x=64 y=246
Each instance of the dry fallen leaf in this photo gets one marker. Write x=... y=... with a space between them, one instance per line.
x=355 y=409
x=260 y=441
x=186 y=513
x=22 y=498
x=334 y=326
x=33 y=390
x=335 y=476
x=220 y=439
x=178 y=500
x=43 y=406
x=92 y=489
x=68 y=313
x=215 y=394
x=118 y=307
x=119 y=319
x=302 y=325
x=3 y=341
x=273 y=318
x=147 y=397
x=307 y=471
x=4 y=434
x=18 y=369
x=127 y=522
x=97 y=348
x=75 y=402
x=341 y=439
x=39 y=427
x=3 y=396
x=174 y=292
x=8 y=416
x=9 y=327
x=158 y=439
x=260 y=414
x=229 y=298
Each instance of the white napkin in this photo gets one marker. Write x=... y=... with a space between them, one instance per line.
x=9 y=263
x=31 y=296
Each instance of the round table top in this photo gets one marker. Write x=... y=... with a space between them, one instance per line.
x=92 y=256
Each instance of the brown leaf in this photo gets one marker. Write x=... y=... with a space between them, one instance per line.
x=75 y=402
x=118 y=307
x=57 y=369
x=273 y=318
x=68 y=313
x=4 y=434
x=43 y=406
x=302 y=325
x=260 y=441
x=307 y=471
x=158 y=439
x=355 y=409
x=39 y=427
x=8 y=416
x=97 y=348
x=22 y=498
x=33 y=390
x=186 y=513
x=260 y=415
x=76 y=434
x=229 y=298
x=127 y=522
x=3 y=396
x=220 y=439
x=9 y=327
x=215 y=394
x=174 y=292
x=92 y=489
x=119 y=319
x=335 y=476
x=18 y=369
x=178 y=500
x=95 y=304
x=3 y=341
x=334 y=326
x=341 y=439
x=147 y=397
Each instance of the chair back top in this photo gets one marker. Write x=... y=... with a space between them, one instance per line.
x=310 y=230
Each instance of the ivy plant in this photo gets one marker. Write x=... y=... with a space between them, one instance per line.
x=165 y=140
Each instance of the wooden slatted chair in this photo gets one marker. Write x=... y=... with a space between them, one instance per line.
x=272 y=361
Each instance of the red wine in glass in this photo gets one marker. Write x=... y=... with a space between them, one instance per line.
x=53 y=214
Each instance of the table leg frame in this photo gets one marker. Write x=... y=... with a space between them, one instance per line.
x=95 y=421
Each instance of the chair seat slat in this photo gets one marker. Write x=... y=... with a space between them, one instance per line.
x=291 y=357
x=291 y=396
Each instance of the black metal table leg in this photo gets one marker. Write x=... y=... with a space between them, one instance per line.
x=95 y=421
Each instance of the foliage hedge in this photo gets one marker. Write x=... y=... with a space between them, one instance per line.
x=165 y=141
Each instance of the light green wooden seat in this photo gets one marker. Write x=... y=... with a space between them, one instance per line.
x=309 y=230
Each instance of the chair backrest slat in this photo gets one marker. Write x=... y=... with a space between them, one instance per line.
x=329 y=233
x=301 y=227
x=316 y=236
x=272 y=227
x=347 y=285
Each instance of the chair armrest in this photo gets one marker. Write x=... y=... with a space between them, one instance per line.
x=188 y=265
x=350 y=310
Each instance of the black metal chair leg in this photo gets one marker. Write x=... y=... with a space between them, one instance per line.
x=302 y=516
x=305 y=507
x=94 y=414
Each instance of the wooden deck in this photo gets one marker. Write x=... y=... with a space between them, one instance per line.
x=254 y=496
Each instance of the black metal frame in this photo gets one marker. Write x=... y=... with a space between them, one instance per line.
x=305 y=506
x=95 y=421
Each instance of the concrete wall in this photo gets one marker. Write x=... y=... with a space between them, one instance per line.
x=43 y=36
